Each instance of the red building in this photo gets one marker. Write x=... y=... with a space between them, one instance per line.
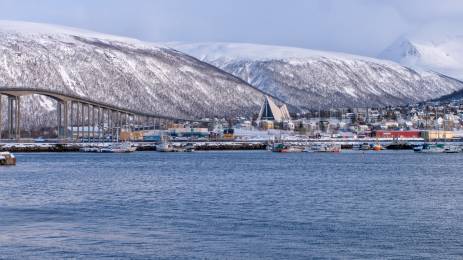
x=397 y=134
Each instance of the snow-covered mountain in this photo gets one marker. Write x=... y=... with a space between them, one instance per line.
x=121 y=71
x=440 y=52
x=436 y=46
x=309 y=79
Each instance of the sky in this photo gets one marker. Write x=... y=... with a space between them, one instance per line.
x=364 y=27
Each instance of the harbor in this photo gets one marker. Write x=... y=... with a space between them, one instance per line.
x=179 y=146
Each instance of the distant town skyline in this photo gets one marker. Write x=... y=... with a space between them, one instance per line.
x=357 y=26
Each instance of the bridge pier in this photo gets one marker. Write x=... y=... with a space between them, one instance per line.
x=93 y=123
x=10 y=117
x=65 y=119
x=83 y=121
x=14 y=116
x=18 y=118
x=111 y=119
x=100 y=128
x=59 y=117
x=77 y=121
x=1 y=118
x=72 y=120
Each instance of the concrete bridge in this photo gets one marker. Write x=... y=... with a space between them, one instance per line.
x=85 y=118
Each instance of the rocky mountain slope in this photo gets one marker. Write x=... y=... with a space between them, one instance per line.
x=120 y=71
x=312 y=79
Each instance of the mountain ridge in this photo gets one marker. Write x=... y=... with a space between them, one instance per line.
x=126 y=73
x=311 y=78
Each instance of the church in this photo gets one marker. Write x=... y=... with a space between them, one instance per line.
x=270 y=114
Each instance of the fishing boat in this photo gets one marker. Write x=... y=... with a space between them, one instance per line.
x=399 y=145
x=323 y=148
x=90 y=150
x=430 y=148
x=125 y=147
x=452 y=149
x=365 y=147
x=283 y=148
x=7 y=158
x=165 y=147
x=377 y=147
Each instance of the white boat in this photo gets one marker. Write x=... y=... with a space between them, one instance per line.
x=323 y=148
x=430 y=148
x=165 y=147
x=365 y=147
x=125 y=147
x=284 y=148
x=7 y=158
x=452 y=149
x=90 y=150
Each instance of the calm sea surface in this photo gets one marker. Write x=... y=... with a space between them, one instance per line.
x=232 y=205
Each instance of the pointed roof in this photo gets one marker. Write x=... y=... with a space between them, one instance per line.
x=270 y=111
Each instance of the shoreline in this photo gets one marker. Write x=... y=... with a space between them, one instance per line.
x=198 y=145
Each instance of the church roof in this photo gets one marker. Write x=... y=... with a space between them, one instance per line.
x=270 y=111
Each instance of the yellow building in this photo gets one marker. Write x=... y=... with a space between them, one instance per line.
x=266 y=124
x=131 y=136
x=435 y=135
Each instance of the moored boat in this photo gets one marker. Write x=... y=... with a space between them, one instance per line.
x=452 y=149
x=90 y=150
x=124 y=147
x=7 y=158
x=284 y=148
x=365 y=147
x=430 y=148
x=165 y=147
x=377 y=147
x=324 y=148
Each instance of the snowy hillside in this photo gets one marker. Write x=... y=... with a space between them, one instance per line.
x=125 y=72
x=309 y=79
x=440 y=52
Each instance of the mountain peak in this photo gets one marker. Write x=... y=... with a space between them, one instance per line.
x=438 y=51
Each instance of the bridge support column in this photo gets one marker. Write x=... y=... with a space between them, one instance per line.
x=83 y=121
x=10 y=117
x=18 y=118
x=119 y=115
x=99 y=123
x=59 y=119
x=1 y=117
x=110 y=124
x=88 y=123
x=65 y=120
x=77 y=121
x=93 y=124
x=72 y=119
x=126 y=124
x=103 y=124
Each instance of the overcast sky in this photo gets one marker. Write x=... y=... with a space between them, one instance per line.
x=357 y=26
